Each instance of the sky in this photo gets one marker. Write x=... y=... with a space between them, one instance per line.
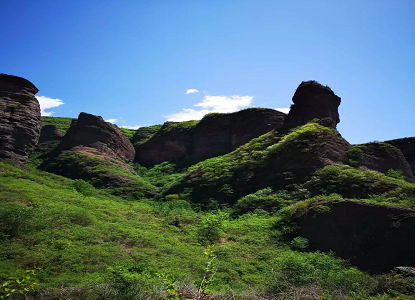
x=139 y=63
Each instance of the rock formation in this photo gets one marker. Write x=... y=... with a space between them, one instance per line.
x=313 y=100
x=374 y=238
x=275 y=159
x=383 y=157
x=93 y=132
x=50 y=133
x=407 y=147
x=214 y=135
x=20 y=121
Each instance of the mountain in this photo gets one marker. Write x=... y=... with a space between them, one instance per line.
x=247 y=205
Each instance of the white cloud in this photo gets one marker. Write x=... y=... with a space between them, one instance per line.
x=131 y=127
x=46 y=103
x=284 y=110
x=111 y=120
x=221 y=104
x=191 y=91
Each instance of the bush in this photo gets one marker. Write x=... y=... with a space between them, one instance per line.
x=83 y=187
x=318 y=269
x=211 y=228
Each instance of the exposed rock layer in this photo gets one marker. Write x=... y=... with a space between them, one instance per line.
x=20 y=121
x=93 y=132
x=214 y=135
x=374 y=238
x=313 y=100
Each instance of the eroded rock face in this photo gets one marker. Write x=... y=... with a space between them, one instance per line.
x=383 y=157
x=20 y=121
x=214 y=135
x=313 y=100
x=93 y=132
x=374 y=238
x=407 y=147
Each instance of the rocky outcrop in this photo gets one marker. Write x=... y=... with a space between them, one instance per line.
x=214 y=135
x=98 y=152
x=50 y=133
x=407 y=147
x=374 y=238
x=20 y=121
x=383 y=157
x=93 y=132
x=313 y=100
x=275 y=159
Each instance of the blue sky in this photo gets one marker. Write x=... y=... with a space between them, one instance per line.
x=134 y=60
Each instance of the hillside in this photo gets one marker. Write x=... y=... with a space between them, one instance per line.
x=254 y=204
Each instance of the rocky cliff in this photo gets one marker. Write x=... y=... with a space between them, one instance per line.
x=407 y=147
x=373 y=237
x=313 y=100
x=214 y=135
x=20 y=121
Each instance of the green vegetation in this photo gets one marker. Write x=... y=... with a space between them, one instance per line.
x=143 y=134
x=62 y=124
x=97 y=245
x=114 y=175
x=180 y=230
x=129 y=133
x=351 y=183
x=179 y=126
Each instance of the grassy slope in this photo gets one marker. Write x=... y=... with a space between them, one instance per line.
x=84 y=242
x=62 y=124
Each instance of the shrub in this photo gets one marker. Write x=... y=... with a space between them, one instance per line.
x=83 y=187
x=299 y=243
x=397 y=174
x=316 y=268
x=211 y=227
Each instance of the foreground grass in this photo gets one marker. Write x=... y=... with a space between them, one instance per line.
x=98 y=246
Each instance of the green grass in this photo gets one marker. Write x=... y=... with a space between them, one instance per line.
x=143 y=134
x=99 y=246
x=129 y=133
x=62 y=124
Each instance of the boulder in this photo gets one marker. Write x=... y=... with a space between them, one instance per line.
x=313 y=100
x=93 y=132
x=214 y=135
x=375 y=238
x=20 y=121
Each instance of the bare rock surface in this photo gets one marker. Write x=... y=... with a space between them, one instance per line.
x=374 y=238
x=214 y=135
x=313 y=100
x=93 y=132
x=20 y=121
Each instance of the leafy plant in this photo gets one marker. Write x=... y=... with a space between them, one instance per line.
x=19 y=285
x=210 y=270
x=397 y=174
x=210 y=229
x=299 y=243
x=173 y=292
